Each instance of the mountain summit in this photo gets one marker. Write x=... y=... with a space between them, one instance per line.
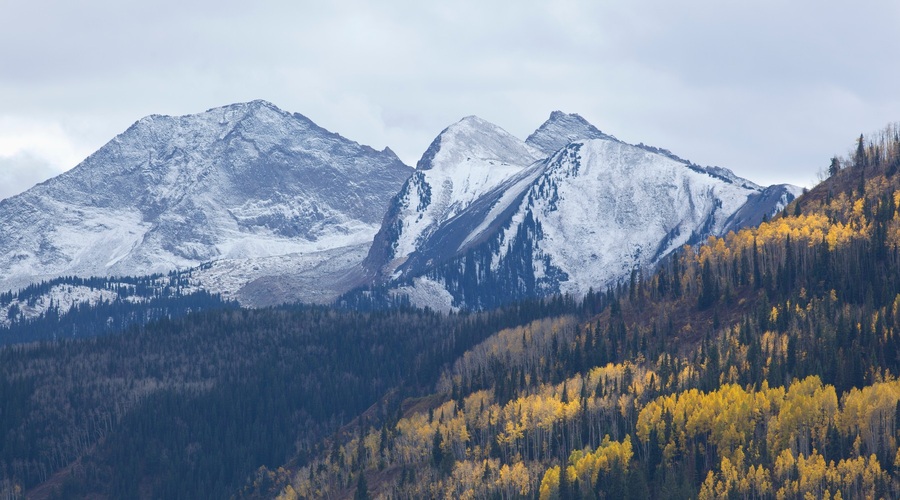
x=245 y=181
x=265 y=206
x=562 y=129
x=475 y=138
x=567 y=210
x=466 y=161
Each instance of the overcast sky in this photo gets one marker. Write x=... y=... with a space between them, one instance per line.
x=769 y=89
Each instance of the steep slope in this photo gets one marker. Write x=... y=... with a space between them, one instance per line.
x=605 y=208
x=241 y=182
x=562 y=129
x=762 y=204
x=592 y=211
x=466 y=161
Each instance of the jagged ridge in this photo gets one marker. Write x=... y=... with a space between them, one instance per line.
x=239 y=182
x=593 y=210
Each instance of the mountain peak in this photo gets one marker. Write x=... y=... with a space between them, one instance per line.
x=562 y=129
x=222 y=115
x=262 y=102
x=241 y=181
x=254 y=105
x=473 y=121
x=256 y=109
x=558 y=115
x=474 y=137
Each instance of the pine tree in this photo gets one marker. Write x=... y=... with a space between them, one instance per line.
x=565 y=490
x=859 y=159
x=835 y=166
x=708 y=290
x=362 y=489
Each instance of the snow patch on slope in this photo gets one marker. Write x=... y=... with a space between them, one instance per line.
x=312 y=277
x=60 y=297
x=425 y=292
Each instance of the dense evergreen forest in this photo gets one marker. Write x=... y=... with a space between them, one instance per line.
x=759 y=365
x=191 y=407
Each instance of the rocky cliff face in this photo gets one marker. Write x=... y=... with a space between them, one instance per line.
x=469 y=160
x=242 y=182
x=265 y=207
x=586 y=215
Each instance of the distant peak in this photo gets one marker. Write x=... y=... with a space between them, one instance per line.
x=473 y=121
x=243 y=109
x=254 y=104
x=562 y=129
x=474 y=137
x=559 y=115
x=390 y=152
x=472 y=124
x=262 y=102
x=257 y=106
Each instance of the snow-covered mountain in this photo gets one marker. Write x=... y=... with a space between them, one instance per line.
x=237 y=184
x=264 y=207
x=587 y=214
x=562 y=129
x=467 y=161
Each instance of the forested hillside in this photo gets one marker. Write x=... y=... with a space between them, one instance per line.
x=759 y=365
x=191 y=407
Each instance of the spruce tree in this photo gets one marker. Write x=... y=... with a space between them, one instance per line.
x=362 y=489
x=835 y=166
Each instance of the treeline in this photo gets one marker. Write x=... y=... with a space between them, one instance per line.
x=124 y=286
x=107 y=317
x=98 y=306
x=759 y=365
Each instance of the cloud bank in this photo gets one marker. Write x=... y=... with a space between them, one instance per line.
x=769 y=89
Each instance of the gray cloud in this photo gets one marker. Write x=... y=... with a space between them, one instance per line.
x=22 y=171
x=769 y=89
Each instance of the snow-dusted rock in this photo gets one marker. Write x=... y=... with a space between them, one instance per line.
x=264 y=207
x=467 y=161
x=586 y=215
x=562 y=129
x=237 y=183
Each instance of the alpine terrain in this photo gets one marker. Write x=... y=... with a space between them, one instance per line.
x=488 y=218
x=275 y=200
x=247 y=203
